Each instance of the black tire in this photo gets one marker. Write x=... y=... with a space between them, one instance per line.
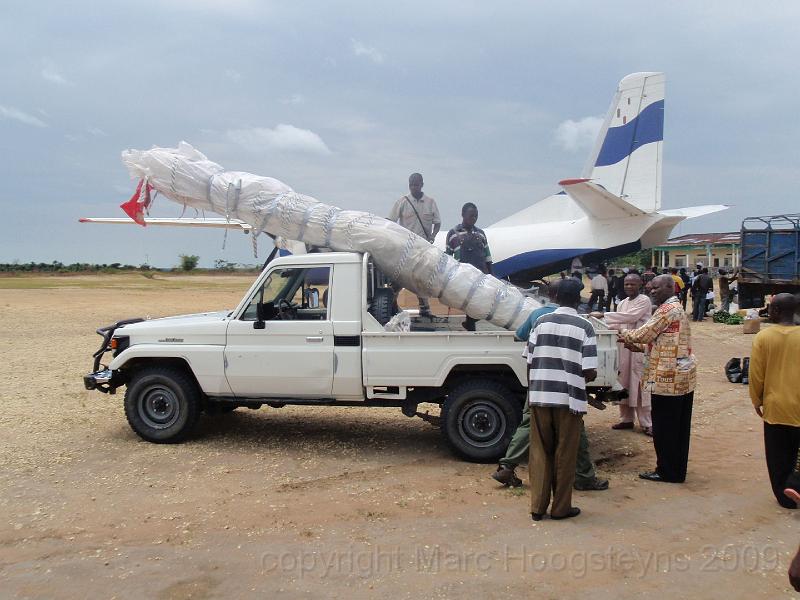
x=479 y=418
x=162 y=404
x=382 y=305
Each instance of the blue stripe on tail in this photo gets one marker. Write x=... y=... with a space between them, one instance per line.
x=620 y=142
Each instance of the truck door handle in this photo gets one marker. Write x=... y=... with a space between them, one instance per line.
x=314 y=339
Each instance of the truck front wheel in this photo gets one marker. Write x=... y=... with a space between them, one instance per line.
x=162 y=404
x=479 y=417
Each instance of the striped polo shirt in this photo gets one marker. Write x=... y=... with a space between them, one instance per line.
x=560 y=348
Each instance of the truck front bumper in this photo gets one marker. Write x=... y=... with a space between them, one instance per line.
x=99 y=380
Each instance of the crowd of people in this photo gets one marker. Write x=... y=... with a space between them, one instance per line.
x=656 y=367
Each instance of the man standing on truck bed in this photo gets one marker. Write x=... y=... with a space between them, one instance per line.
x=775 y=391
x=418 y=213
x=468 y=244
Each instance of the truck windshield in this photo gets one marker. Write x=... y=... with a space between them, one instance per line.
x=304 y=290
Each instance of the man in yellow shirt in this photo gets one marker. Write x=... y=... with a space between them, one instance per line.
x=679 y=284
x=775 y=391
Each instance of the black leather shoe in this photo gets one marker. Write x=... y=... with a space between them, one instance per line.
x=507 y=477
x=595 y=484
x=573 y=512
x=651 y=476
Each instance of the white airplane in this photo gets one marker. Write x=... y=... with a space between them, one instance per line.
x=614 y=208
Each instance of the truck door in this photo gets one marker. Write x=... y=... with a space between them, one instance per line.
x=290 y=351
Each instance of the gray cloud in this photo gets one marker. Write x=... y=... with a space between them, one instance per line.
x=52 y=74
x=368 y=52
x=487 y=101
x=577 y=135
x=9 y=112
x=295 y=99
x=281 y=137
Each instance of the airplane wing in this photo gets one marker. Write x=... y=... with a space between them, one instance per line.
x=290 y=246
x=694 y=211
x=184 y=222
x=597 y=201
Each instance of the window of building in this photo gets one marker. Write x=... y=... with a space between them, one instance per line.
x=681 y=260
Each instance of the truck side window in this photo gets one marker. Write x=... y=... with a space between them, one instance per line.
x=295 y=292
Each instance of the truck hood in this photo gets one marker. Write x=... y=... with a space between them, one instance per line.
x=199 y=328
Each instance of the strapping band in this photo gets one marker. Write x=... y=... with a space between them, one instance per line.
x=498 y=298
x=330 y=219
x=473 y=288
x=516 y=312
x=404 y=256
x=304 y=222
x=448 y=278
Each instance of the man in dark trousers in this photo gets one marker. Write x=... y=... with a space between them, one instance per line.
x=687 y=280
x=725 y=295
x=518 y=450
x=599 y=285
x=615 y=282
x=702 y=285
x=670 y=377
x=775 y=391
x=468 y=244
x=562 y=356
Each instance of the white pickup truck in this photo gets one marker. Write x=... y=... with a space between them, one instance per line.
x=310 y=332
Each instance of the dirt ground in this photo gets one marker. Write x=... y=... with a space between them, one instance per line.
x=346 y=502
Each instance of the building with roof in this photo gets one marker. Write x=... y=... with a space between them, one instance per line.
x=713 y=250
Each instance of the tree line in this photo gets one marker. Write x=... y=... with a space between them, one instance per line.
x=186 y=263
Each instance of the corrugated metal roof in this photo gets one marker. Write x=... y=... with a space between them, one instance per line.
x=702 y=239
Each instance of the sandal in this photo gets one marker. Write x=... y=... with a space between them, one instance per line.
x=623 y=425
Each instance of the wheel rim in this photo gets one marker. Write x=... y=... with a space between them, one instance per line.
x=159 y=407
x=482 y=424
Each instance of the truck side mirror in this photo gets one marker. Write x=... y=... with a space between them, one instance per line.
x=259 y=322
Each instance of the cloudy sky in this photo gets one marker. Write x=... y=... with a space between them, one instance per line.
x=493 y=102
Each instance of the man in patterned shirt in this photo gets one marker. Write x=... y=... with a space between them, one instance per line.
x=670 y=377
x=468 y=244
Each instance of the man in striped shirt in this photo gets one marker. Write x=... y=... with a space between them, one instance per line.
x=562 y=357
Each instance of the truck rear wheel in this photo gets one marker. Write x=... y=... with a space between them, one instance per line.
x=479 y=417
x=162 y=404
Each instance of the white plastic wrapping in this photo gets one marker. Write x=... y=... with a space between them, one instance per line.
x=186 y=176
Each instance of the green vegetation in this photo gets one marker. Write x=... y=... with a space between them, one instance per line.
x=641 y=258
x=189 y=261
x=724 y=317
x=59 y=267
x=128 y=280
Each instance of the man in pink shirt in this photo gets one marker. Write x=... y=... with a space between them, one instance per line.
x=631 y=313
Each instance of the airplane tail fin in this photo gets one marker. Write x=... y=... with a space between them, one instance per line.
x=627 y=156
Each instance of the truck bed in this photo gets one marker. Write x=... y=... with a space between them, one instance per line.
x=434 y=345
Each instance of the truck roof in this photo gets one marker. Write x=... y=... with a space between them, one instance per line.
x=317 y=257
